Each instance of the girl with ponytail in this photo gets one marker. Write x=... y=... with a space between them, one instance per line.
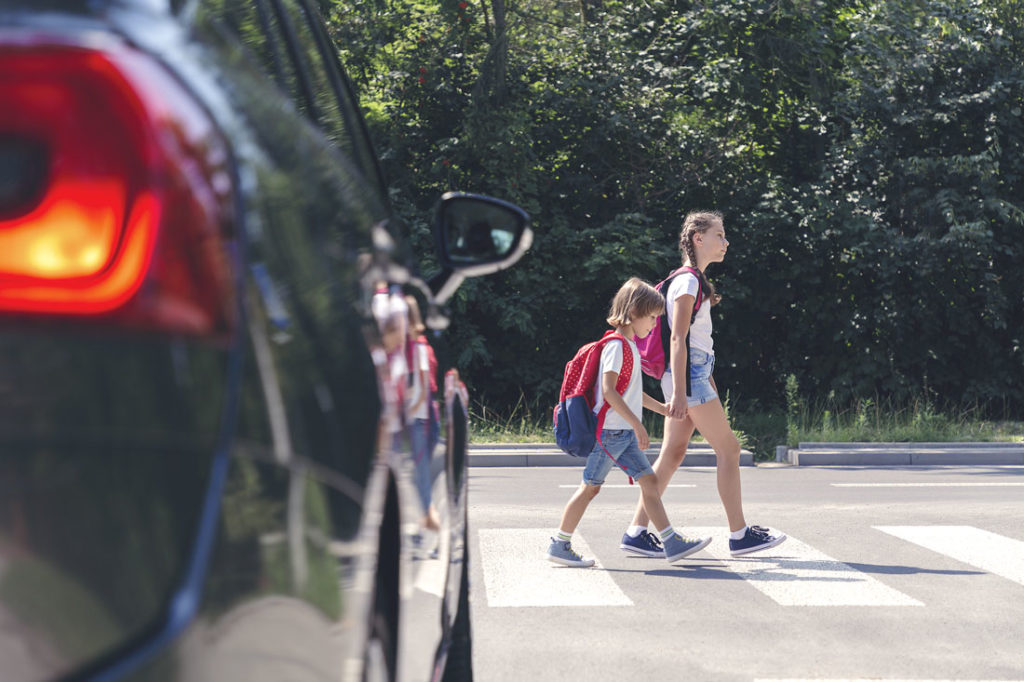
x=697 y=405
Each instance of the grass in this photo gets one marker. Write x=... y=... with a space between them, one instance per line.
x=524 y=424
x=882 y=421
x=873 y=421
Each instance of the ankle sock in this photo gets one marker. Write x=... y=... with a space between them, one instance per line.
x=634 y=531
x=562 y=536
x=738 y=534
x=666 y=533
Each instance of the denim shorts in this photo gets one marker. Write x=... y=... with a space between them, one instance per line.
x=701 y=366
x=622 y=446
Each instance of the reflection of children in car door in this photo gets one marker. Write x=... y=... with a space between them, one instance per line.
x=389 y=310
x=419 y=403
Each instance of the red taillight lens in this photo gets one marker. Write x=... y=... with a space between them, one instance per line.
x=114 y=193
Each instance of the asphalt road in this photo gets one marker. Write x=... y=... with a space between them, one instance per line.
x=912 y=573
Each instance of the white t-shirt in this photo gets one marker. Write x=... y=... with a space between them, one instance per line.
x=420 y=363
x=700 y=330
x=611 y=361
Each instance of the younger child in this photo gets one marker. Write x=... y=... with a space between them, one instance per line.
x=634 y=311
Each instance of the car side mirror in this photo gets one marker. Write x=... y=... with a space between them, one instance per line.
x=476 y=235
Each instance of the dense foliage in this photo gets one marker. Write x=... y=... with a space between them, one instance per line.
x=868 y=157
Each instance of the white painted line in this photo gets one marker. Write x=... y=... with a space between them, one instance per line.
x=517 y=572
x=864 y=679
x=990 y=552
x=626 y=485
x=796 y=574
x=969 y=484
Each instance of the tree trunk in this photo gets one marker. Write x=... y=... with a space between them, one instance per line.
x=499 y=50
x=588 y=8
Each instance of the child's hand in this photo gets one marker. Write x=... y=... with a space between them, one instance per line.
x=677 y=408
x=642 y=438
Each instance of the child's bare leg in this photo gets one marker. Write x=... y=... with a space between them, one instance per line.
x=577 y=505
x=650 y=496
x=714 y=426
x=673 y=449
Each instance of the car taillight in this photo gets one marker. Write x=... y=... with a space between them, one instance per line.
x=115 y=193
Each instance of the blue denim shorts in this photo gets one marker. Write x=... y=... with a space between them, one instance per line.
x=701 y=366
x=623 y=447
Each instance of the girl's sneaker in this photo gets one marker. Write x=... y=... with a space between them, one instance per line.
x=754 y=540
x=644 y=544
x=561 y=552
x=679 y=547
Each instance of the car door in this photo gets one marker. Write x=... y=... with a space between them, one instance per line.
x=324 y=232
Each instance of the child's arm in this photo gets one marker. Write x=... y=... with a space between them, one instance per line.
x=655 y=405
x=615 y=401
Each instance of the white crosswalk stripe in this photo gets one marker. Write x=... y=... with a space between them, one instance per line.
x=516 y=572
x=796 y=574
x=866 y=679
x=982 y=549
x=626 y=485
x=935 y=484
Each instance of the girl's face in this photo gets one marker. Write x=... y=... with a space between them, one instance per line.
x=642 y=326
x=712 y=244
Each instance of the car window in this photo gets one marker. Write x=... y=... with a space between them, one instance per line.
x=254 y=26
x=284 y=40
x=328 y=101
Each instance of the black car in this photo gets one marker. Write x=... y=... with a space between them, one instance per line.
x=205 y=460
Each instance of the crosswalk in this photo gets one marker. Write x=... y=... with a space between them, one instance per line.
x=793 y=574
x=515 y=574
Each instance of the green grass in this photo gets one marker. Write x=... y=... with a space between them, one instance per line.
x=872 y=421
x=524 y=424
x=882 y=421
x=520 y=425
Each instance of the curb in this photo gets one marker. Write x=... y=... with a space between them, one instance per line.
x=546 y=454
x=807 y=454
x=904 y=454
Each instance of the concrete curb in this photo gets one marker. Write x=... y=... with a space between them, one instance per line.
x=972 y=445
x=547 y=454
x=807 y=454
x=906 y=454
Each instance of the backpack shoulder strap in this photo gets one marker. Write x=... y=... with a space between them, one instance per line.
x=663 y=289
x=626 y=373
x=700 y=290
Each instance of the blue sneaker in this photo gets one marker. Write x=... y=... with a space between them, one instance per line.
x=679 y=547
x=754 y=540
x=561 y=552
x=644 y=544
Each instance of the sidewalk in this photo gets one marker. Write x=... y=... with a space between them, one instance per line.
x=807 y=454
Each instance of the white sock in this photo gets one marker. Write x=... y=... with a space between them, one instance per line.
x=634 y=531
x=563 y=536
x=666 y=533
x=738 y=534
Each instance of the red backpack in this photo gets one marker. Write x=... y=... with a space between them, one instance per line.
x=654 y=348
x=577 y=428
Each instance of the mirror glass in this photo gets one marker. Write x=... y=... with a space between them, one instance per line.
x=479 y=231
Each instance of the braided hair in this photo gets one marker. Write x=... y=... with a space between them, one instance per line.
x=694 y=223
